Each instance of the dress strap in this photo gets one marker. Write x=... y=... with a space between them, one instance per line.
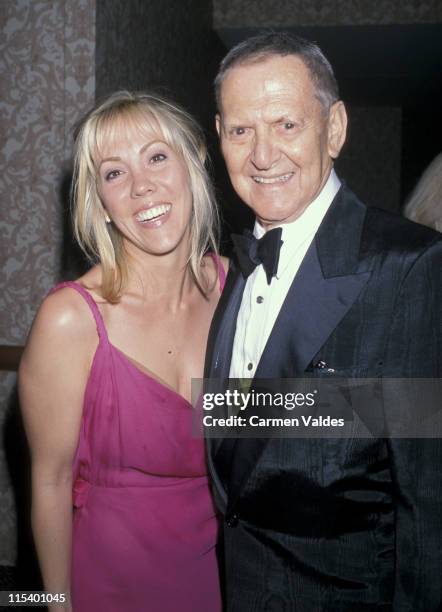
x=101 y=329
x=221 y=271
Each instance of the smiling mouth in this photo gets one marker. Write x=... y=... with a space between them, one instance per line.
x=156 y=212
x=272 y=180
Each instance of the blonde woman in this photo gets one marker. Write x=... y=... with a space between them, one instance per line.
x=122 y=515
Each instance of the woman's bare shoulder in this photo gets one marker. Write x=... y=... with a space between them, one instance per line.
x=62 y=339
x=64 y=314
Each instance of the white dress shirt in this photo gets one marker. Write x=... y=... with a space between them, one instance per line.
x=261 y=302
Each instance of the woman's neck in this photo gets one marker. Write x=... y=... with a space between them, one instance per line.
x=164 y=279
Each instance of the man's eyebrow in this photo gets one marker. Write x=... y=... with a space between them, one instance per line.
x=289 y=119
x=235 y=124
x=283 y=118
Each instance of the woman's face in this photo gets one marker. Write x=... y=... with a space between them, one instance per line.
x=145 y=189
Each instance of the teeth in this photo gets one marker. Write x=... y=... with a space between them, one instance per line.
x=276 y=179
x=152 y=213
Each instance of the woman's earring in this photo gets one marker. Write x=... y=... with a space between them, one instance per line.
x=107 y=218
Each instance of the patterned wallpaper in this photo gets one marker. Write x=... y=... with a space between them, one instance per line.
x=47 y=63
x=280 y=13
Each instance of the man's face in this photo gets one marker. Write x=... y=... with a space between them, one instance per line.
x=277 y=141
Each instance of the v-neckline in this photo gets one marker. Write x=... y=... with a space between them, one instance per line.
x=148 y=375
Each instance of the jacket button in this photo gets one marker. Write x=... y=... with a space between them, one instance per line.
x=232 y=521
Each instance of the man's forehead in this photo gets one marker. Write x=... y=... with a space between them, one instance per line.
x=272 y=112
x=266 y=65
x=265 y=72
x=277 y=86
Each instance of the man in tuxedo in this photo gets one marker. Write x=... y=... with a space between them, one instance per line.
x=320 y=525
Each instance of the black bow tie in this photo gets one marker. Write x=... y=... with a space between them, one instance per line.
x=251 y=252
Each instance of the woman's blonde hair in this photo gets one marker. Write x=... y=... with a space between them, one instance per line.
x=101 y=241
x=425 y=203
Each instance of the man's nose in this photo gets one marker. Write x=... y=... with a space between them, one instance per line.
x=265 y=154
x=142 y=183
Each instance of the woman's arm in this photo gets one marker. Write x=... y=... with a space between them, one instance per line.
x=52 y=379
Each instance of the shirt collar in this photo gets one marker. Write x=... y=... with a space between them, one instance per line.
x=304 y=227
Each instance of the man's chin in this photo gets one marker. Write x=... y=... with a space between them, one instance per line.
x=270 y=218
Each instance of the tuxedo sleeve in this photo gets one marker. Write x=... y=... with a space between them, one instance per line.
x=414 y=350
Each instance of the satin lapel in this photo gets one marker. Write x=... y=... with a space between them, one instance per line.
x=222 y=329
x=218 y=357
x=313 y=308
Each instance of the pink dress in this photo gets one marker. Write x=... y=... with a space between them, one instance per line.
x=144 y=528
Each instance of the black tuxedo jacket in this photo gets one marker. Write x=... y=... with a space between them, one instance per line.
x=334 y=525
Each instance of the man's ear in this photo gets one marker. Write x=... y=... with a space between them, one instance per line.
x=337 y=129
x=218 y=124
